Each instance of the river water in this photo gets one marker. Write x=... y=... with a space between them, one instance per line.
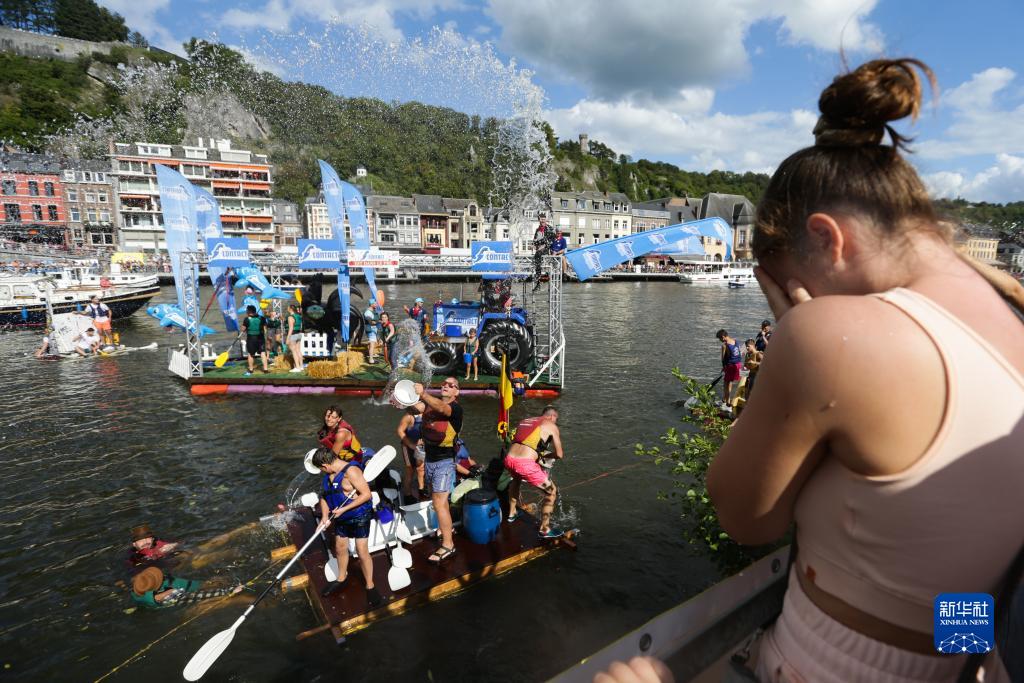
x=90 y=448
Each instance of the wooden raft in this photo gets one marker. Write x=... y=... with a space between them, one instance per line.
x=346 y=610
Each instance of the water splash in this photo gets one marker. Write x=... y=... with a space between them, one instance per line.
x=410 y=359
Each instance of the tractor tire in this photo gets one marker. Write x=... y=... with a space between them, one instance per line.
x=356 y=324
x=510 y=337
x=444 y=357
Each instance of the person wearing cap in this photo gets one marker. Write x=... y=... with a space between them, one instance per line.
x=146 y=547
x=761 y=341
x=442 y=422
x=153 y=589
x=418 y=313
x=88 y=342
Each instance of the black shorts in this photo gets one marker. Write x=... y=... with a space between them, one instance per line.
x=254 y=345
x=354 y=527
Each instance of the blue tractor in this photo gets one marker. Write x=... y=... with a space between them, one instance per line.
x=506 y=333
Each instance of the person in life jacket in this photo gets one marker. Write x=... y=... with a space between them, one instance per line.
x=419 y=314
x=153 y=589
x=146 y=547
x=101 y=316
x=534 y=444
x=732 y=361
x=345 y=498
x=442 y=422
x=255 y=327
x=339 y=436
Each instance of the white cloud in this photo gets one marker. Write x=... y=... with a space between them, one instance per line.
x=261 y=62
x=376 y=15
x=1000 y=183
x=981 y=123
x=702 y=138
x=644 y=50
x=140 y=15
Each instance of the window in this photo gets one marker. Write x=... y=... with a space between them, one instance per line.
x=581 y=239
x=37 y=212
x=105 y=216
x=615 y=206
x=596 y=237
x=472 y=210
x=72 y=195
x=607 y=206
x=90 y=213
x=615 y=224
x=193 y=153
x=12 y=212
x=10 y=187
x=102 y=197
x=565 y=203
x=76 y=215
x=597 y=206
x=51 y=211
x=581 y=204
x=156 y=150
x=33 y=188
x=69 y=176
x=48 y=189
x=90 y=197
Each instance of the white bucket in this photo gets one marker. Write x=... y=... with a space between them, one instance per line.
x=404 y=394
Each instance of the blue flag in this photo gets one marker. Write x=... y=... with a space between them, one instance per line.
x=593 y=259
x=336 y=214
x=178 y=205
x=208 y=221
x=355 y=207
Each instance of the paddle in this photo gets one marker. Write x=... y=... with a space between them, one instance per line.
x=398 y=577
x=380 y=298
x=203 y=659
x=223 y=358
x=717 y=380
x=401 y=557
x=298 y=295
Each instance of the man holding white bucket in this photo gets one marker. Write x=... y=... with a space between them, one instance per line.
x=442 y=422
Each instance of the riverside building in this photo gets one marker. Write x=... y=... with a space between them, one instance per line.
x=33 y=200
x=240 y=180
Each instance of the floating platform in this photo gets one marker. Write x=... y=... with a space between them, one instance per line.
x=368 y=382
x=347 y=611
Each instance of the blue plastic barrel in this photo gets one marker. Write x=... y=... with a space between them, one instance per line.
x=481 y=515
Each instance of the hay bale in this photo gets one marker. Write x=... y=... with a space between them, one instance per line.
x=344 y=365
x=282 y=363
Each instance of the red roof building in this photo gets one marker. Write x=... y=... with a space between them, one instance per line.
x=33 y=199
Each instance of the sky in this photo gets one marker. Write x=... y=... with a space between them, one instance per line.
x=729 y=84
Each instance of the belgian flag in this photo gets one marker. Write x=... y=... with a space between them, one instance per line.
x=504 y=400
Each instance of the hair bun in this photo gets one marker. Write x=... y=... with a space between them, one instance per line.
x=857 y=107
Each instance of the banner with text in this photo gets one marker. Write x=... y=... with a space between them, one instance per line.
x=372 y=258
x=319 y=255
x=336 y=214
x=227 y=252
x=492 y=256
x=683 y=238
x=355 y=209
x=177 y=203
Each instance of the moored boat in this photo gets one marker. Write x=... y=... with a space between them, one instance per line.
x=23 y=298
x=717 y=272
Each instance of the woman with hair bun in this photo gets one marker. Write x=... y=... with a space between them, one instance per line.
x=889 y=425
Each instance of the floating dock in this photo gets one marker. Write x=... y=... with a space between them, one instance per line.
x=368 y=382
x=347 y=611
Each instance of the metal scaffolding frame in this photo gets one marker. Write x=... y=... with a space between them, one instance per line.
x=189 y=266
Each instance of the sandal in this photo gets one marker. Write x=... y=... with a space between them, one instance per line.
x=512 y=518
x=441 y=554
x=551 y=534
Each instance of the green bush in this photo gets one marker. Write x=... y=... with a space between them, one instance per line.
x=688 y=454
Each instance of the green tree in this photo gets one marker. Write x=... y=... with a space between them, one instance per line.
x=86 y=20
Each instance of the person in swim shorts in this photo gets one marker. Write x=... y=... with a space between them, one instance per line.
x=101 y=317
x=442 y=422
x=535 y=438
x=345 y=498
x=732 y=361
x=255 y=327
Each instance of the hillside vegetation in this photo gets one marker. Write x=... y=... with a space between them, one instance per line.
x=407 y=147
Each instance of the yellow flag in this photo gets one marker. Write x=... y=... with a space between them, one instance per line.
x=504 y=399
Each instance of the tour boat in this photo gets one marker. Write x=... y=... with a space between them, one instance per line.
x=24 y=298
x=717 y=272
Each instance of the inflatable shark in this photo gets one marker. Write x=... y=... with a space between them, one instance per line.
x=250 y=276
x=170 y=314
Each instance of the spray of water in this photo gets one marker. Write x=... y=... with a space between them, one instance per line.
x=410 y=359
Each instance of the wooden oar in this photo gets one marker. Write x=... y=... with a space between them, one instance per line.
x=203 y=659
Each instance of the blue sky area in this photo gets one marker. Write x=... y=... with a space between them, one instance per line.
x=731 y=84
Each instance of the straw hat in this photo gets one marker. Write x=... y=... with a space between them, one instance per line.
x=142 y=531
x=147 y=580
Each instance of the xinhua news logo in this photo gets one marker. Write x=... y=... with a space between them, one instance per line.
x=964 y=623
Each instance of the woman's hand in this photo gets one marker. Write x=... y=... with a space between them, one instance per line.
x=638 y=670
x=781 y=300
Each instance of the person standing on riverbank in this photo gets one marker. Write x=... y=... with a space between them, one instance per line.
x=732 y=361
x=761 y=341
x=752 y=362
x=442 y=422
x=535 y=439
x=891 y=461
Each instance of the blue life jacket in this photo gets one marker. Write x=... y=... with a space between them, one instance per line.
x=734 y=355
x=413 y=433
x=336 y=496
